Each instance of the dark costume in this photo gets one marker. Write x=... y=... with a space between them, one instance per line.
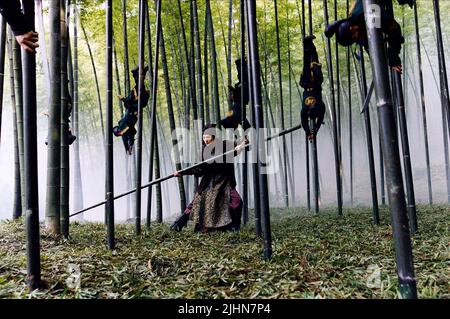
x=11 y=11
x=311 y=80
x=125 y=127
x=216 y=204
x=71 y=137
x=389 y=26
x=234 y=116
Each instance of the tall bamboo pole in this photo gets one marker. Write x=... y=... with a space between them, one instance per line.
x=336 y=139
x=198 y=63
x=153 y=127
x=2 y=66
x=302 y=21
x=141 y=48
x=116 y=69
x=423 y=108
x=338 y=94
x=445 y=98
x=259 y=116
x=192 y=66
x=127 y=88
x=206 y=71
x=310 y=24
x=191 y=76
x=315 y=160
x=227 y=55
x=192 y=100
x=18 y=88
x=52 y=212
x=64 y=160
x=412 y=216
x=97 y=85
x=150 y=62
x=17 y=206
x=43 y=47
x=78 y=185
x=308 y=179
x=402 y=240
x=159 y=213
x=109 y=158
x=350 y=124
x=31 y=158
x=291 y=121
x=257 y=203
x=315 y=170
x=368 y=126
x=126 y=63
x=172 y=124
x=215 y=79
x=228 y=47
x=280 y=86
x=244 y=114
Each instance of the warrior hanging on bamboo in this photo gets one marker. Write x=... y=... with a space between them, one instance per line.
x=234 y=116
x=311 y=80
x=125 y=127
x=353 y=30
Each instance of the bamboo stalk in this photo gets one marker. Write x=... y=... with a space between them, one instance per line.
x=368 y=127
x=336 y=139
x=445 y=98
x=256 y=85
x=64 y=159
x=17 y=206
x=141 y=89
x=109 y=158
x=31 y=158
x=52 y=212
x=182 y=192
x=94 y=69
x=2 y=66
x=78 y=185
x=402 y=240
x=280 y=86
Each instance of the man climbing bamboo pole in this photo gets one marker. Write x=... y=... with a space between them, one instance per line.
x=313 y=108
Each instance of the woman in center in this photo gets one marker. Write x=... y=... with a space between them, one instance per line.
x=216 y=204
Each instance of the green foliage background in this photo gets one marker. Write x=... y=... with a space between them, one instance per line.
x=289 y=12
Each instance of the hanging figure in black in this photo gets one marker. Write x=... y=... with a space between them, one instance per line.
x=234 y=116
x=125 y=127
x=311 y=80
x=353 y=30
x=71 y=138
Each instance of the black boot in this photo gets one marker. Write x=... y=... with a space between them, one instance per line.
x=180 y=222
x=72 y=138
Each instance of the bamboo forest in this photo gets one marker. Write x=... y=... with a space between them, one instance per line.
x=224 y=149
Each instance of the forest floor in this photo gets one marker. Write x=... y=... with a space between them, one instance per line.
x=322 y=256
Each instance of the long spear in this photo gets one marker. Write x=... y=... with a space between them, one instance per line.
x=162 y=179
